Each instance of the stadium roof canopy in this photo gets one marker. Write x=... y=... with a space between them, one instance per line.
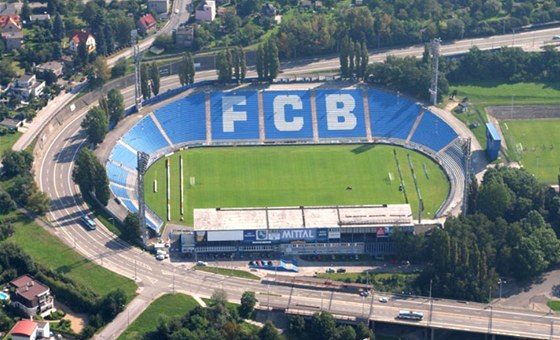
x=303 y=217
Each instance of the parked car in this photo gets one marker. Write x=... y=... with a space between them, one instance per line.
x=201 y=264
x=160 y=257
x=341 y=270
x=330 y=270
x=383 y=299
x=364 y=293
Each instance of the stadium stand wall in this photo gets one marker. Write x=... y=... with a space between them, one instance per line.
x=295 y=122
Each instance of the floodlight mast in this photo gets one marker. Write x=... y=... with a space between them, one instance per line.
x=434 y=50
x=137 y=59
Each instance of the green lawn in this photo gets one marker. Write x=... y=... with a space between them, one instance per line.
x=229 y=272
x=7 y=141
x=48 y=250
x=382 y=282
x=293 y=176
x=537 y=145
x=169 y=305
x=488 y=93
x=554 y=305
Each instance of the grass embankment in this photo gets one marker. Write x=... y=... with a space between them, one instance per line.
x=536 y=144
x=169 y=306
x=554 y=305
x=49 y=251
x=382 y=282
x=487 y=93
x=229 y=272
x=7 y=141
x=293 y=176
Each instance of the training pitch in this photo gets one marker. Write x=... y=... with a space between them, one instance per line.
x=537 y=144
x=275 y=176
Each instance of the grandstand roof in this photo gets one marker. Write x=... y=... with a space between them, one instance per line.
x=302 y=217
x=493 y=132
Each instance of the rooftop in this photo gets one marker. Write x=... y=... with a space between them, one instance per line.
x=24 y=327
x=302 y=217
x=27 y=287
x=493 y=132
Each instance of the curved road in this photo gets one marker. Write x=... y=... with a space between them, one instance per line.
x=54 y=174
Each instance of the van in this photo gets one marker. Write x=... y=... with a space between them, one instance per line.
x=88 y=222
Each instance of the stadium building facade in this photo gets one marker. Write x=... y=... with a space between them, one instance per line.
x=297 y=230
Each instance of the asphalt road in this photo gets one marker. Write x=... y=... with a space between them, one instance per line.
x=54 y=171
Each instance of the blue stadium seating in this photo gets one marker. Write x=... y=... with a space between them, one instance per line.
x=129 y=205
x=339 y=126
x=119 y=191
x=124 y=156
x=145 y=136
x=185 y=119
x=433 y=132
x=245 y=111
x=295 y=115
x=117 y=174
x=391 y=116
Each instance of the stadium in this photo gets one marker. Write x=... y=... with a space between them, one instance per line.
x=200 y=150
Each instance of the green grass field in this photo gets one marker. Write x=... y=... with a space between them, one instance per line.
x=48 y=250
x=488 y=93
x=554 y=305
x=7 y=141
x=169 y=305
x=228 y=272
x=536 y=144
x=293 y=176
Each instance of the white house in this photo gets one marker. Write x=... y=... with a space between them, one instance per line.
x=31 y=296
x=80 y=36
x=206 y=11
x=28 y=85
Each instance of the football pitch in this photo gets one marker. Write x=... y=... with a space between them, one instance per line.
x=276 y=176
x=536 y=143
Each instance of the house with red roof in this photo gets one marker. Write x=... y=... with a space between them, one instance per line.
x=12 y=32
x=81 y=36
x=31 y=296
x=30 y=330
x=147 y=24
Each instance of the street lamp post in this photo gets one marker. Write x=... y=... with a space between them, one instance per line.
x=112 y=222
x=500 y=282
x=431 y=304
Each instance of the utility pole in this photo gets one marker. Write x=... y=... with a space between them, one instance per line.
x=500 y=282
x=434 y=49
x=431 y=305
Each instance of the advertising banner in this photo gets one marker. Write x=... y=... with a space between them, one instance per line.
x=249 y=235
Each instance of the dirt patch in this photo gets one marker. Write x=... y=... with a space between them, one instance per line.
x=522 y=112
x=79 y=320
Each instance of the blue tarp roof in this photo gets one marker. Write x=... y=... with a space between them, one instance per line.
x=493 y=132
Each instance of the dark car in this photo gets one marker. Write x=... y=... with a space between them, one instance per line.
x=341 y=270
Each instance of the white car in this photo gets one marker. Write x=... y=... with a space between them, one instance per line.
x=201 y=264
x=160 y=257
x=383 y=299
x=177 y=11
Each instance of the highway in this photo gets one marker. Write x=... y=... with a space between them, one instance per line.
x=54 y=175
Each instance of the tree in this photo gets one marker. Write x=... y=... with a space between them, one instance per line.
x=6 y=203
x=59 y=30
x=223 y=66
x=260 y=62
x=273 y=60
x=154 y=78
x=96 y=124
x=17 y=163
x=23 y=186
x=219 y=297
x=25 y=11
x=38 y=203
x=321 y=326
x=131 y=226
x=297 y=325
x=99 y=73
x=56 y=51
x=343 y=57
x=115 y=103
x=102 y=191
x=112 y=304
x=344 y=333
x=269 y=332
x=239 y=64
x=119 y=69
x=494 y=199
x=145 y=82
x=83 y=173
x=186 y=69
x=248 y=302
x=104 y=105
x=82 y=55
x=364 y=332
